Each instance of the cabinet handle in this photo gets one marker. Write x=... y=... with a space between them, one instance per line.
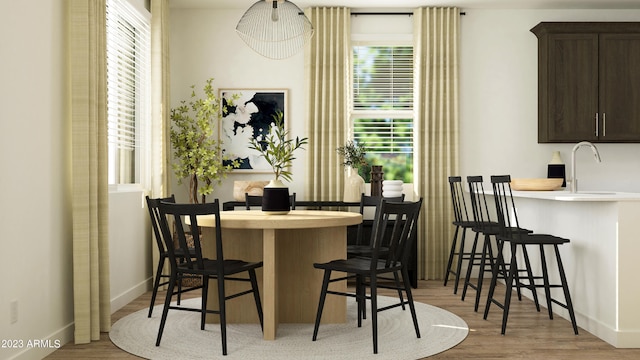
x=596 y=124
x=604 y=124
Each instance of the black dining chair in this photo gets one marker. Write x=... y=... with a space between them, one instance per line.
x=219 y=268
x=256 y=200
x=368 y=271
x=519 y=240
x=162 y=279
x=364 y=242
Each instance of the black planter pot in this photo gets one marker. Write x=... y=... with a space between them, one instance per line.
x=275 y=199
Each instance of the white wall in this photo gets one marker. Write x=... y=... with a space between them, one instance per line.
x=35 y=210
x=498 y=91
x=129 y=247
x=204 y=44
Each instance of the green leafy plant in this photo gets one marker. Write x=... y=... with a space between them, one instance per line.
x=353 y=154
x=197 y=152
x=277 y=150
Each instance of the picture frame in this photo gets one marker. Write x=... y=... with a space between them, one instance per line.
x=246 y=114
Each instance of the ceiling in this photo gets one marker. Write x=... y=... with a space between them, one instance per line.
x=404 y=4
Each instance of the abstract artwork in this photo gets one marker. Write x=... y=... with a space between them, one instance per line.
x=249 y=114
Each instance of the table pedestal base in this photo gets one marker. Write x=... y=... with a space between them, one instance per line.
x=289 y=284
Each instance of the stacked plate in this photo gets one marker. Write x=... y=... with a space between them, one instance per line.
x=391 y=188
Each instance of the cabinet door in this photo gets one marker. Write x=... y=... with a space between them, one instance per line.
x=619 y=87
x=572 y=88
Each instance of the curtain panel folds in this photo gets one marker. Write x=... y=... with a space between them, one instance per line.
x=160 y=119
x=88 y=117
x=327 y=75
x=436 y=104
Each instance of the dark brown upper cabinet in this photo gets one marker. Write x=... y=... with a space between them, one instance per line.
x=588 y=81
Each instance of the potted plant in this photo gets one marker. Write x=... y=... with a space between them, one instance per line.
x=353 y=155
x=278 y=151
x=197 y=151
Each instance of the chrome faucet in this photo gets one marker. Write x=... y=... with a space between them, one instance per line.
x=574 y=182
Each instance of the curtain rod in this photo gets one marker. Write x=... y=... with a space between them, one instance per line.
x=390 y=13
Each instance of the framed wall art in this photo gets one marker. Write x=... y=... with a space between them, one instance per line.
x=247 y=114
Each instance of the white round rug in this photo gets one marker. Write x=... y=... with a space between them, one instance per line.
x=182 y=339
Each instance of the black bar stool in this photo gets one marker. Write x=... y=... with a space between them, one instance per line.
x=508 y=220
x=487 y=228
x=462 y=223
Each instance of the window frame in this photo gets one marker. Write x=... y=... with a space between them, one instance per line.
x=142 y=100
x=378 y=40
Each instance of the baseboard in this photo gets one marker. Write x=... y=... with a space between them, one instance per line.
x=36 y=349
x=616 y=338
x=131 y=294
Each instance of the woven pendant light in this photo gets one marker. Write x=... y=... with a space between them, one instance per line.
x=276 y=29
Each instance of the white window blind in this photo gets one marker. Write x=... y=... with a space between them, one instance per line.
x=128 y=85
x=384 y=135
x=383 y=77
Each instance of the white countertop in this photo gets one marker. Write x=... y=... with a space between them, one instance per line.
x=586 y=195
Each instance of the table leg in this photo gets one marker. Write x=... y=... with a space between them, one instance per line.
x=270 y=287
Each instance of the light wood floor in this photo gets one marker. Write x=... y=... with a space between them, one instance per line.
x=530 y=335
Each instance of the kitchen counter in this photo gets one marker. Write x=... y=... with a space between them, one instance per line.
x=565 y=195
x=600 y=261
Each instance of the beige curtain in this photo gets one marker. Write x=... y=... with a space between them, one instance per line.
x=327 y=76
x=88 y=116
x=436 y=32
x=160 y=149
x=160 y=106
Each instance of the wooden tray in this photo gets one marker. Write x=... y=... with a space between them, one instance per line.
x=536 y=184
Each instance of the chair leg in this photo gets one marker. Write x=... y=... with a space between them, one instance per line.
x=532 y=284
x=374 y=312
x=179 y=298
x=472 y=260
x=165 y=309
x=256 y=296
x=412 y=308
x=494 y=277
x=361 y=294
x=545 y=281
x=513 y=269
x=179 y=295
x=397 y=281
x=452 y=253
x=486 y=251
x=205 y=293
x=565 y=288
x=156 y=285
x=460 y=260
x=223 y=313
x=323 y=295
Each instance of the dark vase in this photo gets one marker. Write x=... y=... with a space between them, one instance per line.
x=275 y=198
x=556 y=169
x=376 y=180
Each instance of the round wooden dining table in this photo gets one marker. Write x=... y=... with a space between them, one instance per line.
x=288 y=245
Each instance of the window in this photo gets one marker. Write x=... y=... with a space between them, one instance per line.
x=382 y=111
x=128 y=91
